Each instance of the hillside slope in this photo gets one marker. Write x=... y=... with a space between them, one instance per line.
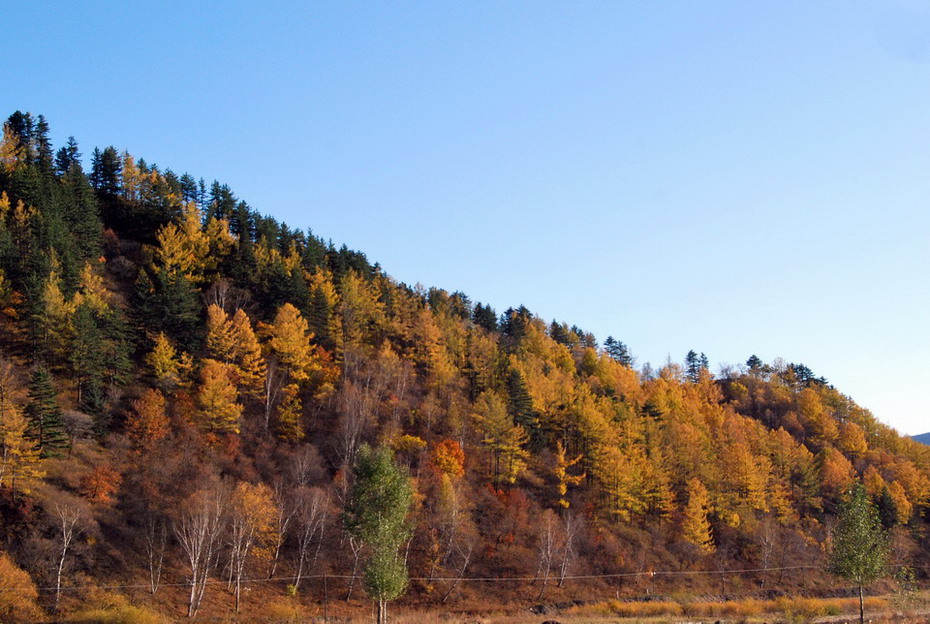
x=167 y=350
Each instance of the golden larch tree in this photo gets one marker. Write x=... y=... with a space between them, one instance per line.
x=148 y=422
x=563 y=479
x=20 y=461
x=290 y=340
x=221 y=343
x=290 y=411
x=217 y=399
x=695 y=526
x=248 y=354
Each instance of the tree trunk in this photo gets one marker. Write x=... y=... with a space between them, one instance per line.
x=861 y=611
x=190 y=604
x=61 y=565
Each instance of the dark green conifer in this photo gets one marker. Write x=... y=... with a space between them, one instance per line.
x=46 y=425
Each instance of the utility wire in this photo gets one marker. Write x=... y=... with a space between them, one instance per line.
x=466 y=579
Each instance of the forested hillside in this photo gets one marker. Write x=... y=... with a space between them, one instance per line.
x=186 y=388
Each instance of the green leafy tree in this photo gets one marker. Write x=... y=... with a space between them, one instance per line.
x=376 y=514
x=860 y=545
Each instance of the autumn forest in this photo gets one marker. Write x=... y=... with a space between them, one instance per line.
x=205 y=412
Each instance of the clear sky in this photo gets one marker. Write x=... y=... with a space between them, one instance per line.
x=729 y=177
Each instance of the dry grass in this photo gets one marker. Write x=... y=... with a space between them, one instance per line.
x=112 y=608
x=792 y=609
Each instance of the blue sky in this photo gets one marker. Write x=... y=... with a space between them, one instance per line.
x=733 y=178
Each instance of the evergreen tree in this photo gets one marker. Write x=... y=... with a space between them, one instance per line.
x=618 y=351
x=86 y=354
x=694 y=364
x=68 y=157
x=106 y=171
x=168 y=303
x=485 y=316
x=887 y=509
x=43 y=145
x=519 y=402
x=559 y=333
x=46 y=425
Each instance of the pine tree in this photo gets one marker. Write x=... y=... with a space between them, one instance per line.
x=68 y=156
x=170 y=304
x=46 y=425
x=519 y=401
x=484 y=316
x=693 y=366
x=86 y=355
x=618 y=351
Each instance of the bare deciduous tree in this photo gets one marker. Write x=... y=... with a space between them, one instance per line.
x=66 y=519
x=156 y=537
x=275 y=377
x=198 y=529
x=312 y=507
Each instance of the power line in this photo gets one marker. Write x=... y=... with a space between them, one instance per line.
x=466 y=579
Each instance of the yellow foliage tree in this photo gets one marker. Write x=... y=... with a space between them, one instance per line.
x=191 y=249
x=11 y=150
x=621 y=477
x=873 y=481
x=18 y=594
x=290 y=340
x=360 y=310
x=904 y=507
x=20 y=463
x=695 y=526
x=166 y=364
x=746 y=478
x=220 y=341
x=251 y=529
x=505 y=440
x=563 y=479
x=852 y=440
x=836 y=472
x=247 y=354
x=217 y=399
x=148 y=422
x=54 y=319
x=92 y=291
x=290 y=412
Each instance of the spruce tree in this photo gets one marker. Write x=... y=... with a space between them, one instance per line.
x=484 y=316
x=519 y=402
x=46 y=425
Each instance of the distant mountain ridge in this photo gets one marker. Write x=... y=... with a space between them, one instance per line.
x=923 y=438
